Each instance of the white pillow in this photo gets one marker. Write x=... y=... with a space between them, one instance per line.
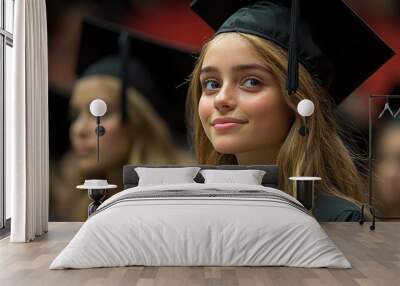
x=162 y=176
x=248 y=177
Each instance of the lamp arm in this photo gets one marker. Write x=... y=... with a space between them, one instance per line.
x=98 y=137
x=305 y=122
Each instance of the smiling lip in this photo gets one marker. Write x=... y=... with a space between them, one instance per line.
x=227 y=123
x=83 y=151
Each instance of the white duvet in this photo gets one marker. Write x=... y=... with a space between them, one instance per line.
x=190 y=231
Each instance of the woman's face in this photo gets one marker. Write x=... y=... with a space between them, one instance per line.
x=115 y=144
x=388 y=167
x=241 y=107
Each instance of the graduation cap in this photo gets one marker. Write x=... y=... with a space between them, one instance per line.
x=156 y=69
x=336 y=46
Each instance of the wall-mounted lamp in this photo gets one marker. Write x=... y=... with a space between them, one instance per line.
x=304 y=186
x=98 y=108
x=305 y=108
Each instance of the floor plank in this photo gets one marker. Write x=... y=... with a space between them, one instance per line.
x=374 y=255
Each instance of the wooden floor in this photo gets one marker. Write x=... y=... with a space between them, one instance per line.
x=375 y=256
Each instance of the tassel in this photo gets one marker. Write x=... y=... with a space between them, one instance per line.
x=124 y=48
x=293 y=64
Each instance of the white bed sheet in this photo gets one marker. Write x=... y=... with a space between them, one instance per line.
x=200 y=231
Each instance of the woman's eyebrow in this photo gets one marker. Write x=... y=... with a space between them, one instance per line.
x=238 y=68
x=251 y=67
x=208 y=69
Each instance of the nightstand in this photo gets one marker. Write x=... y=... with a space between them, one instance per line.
x=97 y=190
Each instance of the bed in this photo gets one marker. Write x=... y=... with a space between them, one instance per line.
x=201 y=223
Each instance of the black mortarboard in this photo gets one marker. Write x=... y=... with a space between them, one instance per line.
x=336 y=46
x=155 y=69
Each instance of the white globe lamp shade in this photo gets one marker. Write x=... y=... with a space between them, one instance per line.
x=98 y=107
x=305 y=107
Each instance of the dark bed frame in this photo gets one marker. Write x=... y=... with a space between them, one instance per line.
x=270 y=179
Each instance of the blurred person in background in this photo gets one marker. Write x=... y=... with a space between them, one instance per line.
x=386 y=188
x=135 y=132
x=172 y=17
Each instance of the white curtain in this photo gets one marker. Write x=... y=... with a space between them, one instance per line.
x=27 y=152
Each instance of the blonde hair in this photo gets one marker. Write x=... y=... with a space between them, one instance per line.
x=328 y=158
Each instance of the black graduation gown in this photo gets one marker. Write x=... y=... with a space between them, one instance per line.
x=332 y=208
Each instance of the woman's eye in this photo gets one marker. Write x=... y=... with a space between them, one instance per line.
x=211 y=84
x=251 y=82
x=73 y=116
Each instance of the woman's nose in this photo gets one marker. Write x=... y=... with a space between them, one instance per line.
x=83 y=126
x=226 y=99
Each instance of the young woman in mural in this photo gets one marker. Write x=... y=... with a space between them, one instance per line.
x=251 y=75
